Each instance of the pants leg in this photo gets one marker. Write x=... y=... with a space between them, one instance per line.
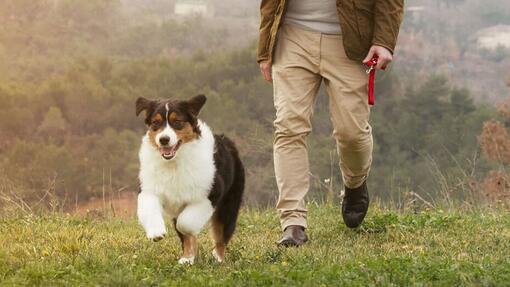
x=296 y=83
x=346 y=84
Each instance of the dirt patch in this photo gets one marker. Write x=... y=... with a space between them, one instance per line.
x=122 y=206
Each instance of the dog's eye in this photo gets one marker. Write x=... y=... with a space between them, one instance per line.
x=156 y=124
x=178 y=124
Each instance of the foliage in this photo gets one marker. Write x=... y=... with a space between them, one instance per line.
x=85 y=117
x=432 y=129
x=495 y=145
x=40 y=38
x=446 y=36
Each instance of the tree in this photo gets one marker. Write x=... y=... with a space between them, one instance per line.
x=53 y=125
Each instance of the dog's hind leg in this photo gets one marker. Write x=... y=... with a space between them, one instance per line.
x=219 y=242
x=224 y=219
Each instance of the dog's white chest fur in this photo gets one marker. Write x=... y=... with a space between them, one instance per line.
x=185 y=180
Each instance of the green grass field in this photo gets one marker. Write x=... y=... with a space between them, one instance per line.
x=432 y=248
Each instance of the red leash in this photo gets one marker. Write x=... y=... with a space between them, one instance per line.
x=371 y=79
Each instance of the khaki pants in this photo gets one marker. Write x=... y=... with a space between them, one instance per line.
x=303 y=59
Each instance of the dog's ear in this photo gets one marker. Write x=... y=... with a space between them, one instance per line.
x=195 y=104
x=143 y=104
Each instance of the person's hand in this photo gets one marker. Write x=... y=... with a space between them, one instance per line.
x=385 y=57
x=265 y=69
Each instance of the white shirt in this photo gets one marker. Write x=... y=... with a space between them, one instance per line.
x=314 y=15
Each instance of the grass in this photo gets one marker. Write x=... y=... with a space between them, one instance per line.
x=432 y=248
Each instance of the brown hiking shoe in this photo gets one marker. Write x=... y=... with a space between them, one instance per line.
x=355 y=205
x=293 y=235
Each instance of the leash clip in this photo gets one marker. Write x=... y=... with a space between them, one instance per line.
x=371 y=64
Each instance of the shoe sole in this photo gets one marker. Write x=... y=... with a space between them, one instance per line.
x=290 y=243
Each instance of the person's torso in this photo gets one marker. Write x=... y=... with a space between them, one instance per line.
x=314 y=15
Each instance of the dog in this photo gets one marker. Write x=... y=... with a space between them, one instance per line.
x=189 y=174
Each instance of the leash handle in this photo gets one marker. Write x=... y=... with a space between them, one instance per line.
x=371 y=79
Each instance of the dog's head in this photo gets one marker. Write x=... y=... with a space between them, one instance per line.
x=171 y=123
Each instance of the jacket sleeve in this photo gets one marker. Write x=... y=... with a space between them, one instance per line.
x=388 y=15
x=267 y=15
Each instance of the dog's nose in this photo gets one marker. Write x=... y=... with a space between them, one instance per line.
x=164 y=140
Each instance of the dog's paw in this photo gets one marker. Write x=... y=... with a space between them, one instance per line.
x=217 y=256
x=156 y=234
x=188 y=261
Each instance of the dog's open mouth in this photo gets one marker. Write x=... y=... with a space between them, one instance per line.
x=169 y=152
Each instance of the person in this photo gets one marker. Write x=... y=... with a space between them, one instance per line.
x=301 y=44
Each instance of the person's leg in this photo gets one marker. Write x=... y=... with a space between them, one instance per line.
x=346 y=84
x=296 y=83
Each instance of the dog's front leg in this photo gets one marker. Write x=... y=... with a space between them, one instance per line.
x=189 y=223
x=150 y=216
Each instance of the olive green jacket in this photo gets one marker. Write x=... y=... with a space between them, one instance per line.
x=364 y=23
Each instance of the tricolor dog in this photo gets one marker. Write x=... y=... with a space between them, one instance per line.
x=188 y=174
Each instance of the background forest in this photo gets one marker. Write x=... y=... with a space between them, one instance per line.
x=70 y=72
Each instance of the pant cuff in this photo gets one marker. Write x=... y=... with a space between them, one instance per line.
x=293 y=221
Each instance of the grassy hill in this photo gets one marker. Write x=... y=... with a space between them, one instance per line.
x=430 y=248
